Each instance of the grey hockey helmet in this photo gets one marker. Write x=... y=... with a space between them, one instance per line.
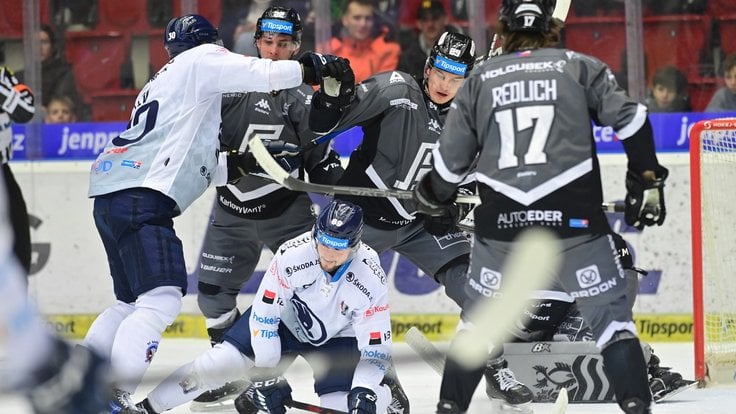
x=527 y=15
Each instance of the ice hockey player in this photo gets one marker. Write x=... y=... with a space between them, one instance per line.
x=153 y=171
x=253 y=212
x=323 y=297
x=522 y=123
x=401 y=121
x=557 y=318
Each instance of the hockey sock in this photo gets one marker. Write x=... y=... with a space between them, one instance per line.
x=624 y=363
x=137 y=338
x=101 y=334
x=459 y=384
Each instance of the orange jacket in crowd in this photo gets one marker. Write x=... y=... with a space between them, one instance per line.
x=367 y=57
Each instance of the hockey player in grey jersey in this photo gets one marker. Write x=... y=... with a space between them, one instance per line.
x=401 y=121
x=163 y=161
x=524 y=121
x=253 y=212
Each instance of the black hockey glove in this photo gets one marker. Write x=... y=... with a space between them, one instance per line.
x=439 y=217
x=270 y=392
x=337 y=86
x=241 y=164
x=361 y=400
x=645 y=199
x=312 y=64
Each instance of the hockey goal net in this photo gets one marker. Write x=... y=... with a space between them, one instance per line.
x=713 y=186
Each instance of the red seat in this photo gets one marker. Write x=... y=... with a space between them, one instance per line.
x=701 y=90
x=677 y=40
x=727 y=32
x=717 y=8
x=11 y=18
x=211 y=10
x=96 y=59
x=156 y=53
x=128 y=15
x=113 y=105
x=601 y=36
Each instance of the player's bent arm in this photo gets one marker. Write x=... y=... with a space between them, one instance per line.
x=372 y=328
x=639 y=148
x=234 y=72
x=266 y=315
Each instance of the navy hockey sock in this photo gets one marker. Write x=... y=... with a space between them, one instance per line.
x=626 y=369
x=459 y=384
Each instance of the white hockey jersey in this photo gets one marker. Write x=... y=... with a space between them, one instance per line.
x=316 y=306
x=171 y=142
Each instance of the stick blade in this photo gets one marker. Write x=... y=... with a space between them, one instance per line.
x=534 y=256
x=561 y=402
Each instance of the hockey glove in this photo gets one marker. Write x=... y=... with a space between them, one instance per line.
x=337 y=86
x=270 y=393
x=312 y=64
x=439 y=217
x=241 y=164
x=361 y=400
x=645 y=199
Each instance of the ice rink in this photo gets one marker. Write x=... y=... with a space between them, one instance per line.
x=422 y=384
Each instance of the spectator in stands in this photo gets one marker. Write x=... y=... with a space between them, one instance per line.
x=363 y=42
x=432 y=21
x=725 y=98
x=60 y=110
x=57 y=75
x=669 y=91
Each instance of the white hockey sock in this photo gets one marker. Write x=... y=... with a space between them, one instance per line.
x=209 y=370
x=138 y=336
x=101 y=334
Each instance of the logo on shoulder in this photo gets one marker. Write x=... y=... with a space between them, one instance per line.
x=396 y=77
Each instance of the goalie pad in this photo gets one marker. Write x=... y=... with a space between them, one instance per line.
x=547 y=367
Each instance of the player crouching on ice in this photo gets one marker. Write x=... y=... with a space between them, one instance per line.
x=324 y=297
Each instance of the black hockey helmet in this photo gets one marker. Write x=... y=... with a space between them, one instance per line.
x=277 y=19
x=340 y=225
x=185 y=32
x=453 y=53
x=527 y=15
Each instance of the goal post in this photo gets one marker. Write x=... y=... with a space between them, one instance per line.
x=712 y=191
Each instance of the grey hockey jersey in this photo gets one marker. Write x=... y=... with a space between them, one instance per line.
x=526 y=116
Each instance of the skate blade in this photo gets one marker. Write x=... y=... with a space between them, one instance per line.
x=222 y=406
x=675 y=392
x=501 y=406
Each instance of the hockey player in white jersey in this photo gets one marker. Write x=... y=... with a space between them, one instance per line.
x=323 y=297
x=153 y=171
x=253 y=213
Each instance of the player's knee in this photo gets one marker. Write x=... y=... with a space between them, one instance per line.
x=215 y=301
x=164 y=302
x=337 y=400
x=617 y=337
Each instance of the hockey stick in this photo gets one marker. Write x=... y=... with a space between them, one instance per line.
x=282 y=177
x=311 y=407
x=562 y=7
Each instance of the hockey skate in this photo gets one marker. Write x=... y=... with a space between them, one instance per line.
x=503 y=388
x=447 y=407
x=665 y=383
x=219 y=399
x=399 y=401
x=122 y=404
